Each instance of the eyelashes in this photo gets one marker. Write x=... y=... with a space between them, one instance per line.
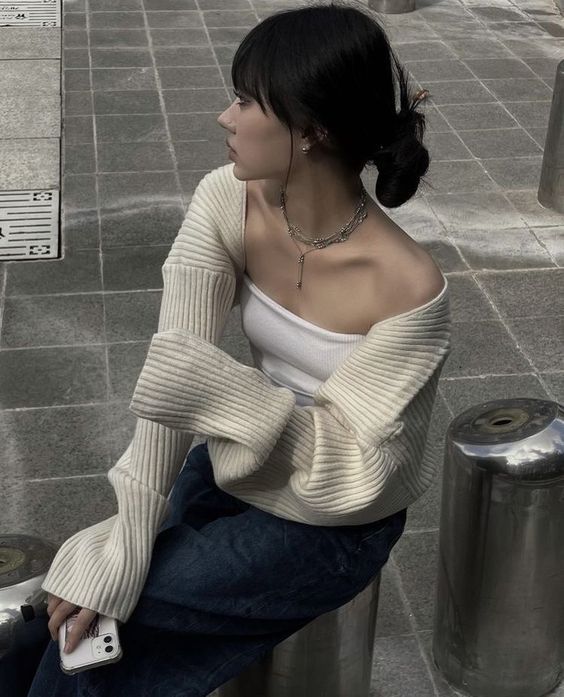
x=241 y=99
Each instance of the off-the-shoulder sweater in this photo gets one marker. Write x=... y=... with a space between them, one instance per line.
x=357 y=455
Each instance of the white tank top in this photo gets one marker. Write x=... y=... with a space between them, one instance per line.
x=289 y=350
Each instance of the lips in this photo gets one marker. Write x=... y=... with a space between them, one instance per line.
x=229 y=146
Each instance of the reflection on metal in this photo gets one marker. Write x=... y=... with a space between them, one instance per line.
x=24 y=562
x=499 y=602
x=29 y=224
x=551 y=186
x=30 y=13
x=330 y=657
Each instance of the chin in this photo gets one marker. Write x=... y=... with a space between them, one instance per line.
x=241 y=175
x=238 y=175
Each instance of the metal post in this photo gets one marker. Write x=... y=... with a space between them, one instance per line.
x=330 y=656
x=551 y=187
x=392 y=6
x=24 y=562
x=500 y=600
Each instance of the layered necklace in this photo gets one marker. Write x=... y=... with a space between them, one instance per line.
x=342 y=235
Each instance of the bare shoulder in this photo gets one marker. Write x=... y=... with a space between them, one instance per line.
x=413 y=285
x=427 y=279
x=405 y=275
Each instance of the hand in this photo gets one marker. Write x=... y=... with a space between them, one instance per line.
x=58 y=610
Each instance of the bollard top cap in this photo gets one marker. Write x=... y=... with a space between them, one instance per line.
x=522 y=438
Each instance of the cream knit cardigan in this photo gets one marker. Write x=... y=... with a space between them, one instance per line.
x=357 y=455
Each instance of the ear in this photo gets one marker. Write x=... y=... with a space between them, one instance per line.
x=315 y=135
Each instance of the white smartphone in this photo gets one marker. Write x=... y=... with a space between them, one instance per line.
x=98 y=645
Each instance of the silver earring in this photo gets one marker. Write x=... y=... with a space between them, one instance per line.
x=305 y=148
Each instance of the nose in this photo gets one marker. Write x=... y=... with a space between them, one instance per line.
x=224 y=119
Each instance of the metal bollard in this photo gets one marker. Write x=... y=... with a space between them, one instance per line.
x=500 y=602
x=24 y=562
x=391 y=6
x=551 y=186
x=330 y=656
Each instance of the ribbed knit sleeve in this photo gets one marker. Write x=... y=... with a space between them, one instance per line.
x=356 y=456
x=104 y=567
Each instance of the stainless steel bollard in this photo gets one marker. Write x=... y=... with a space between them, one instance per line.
x=330 y=657
x=24 y=562
x=551 y=186
x=391 y=6
x=500 y=595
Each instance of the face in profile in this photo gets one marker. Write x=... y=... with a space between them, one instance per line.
x=261 y=142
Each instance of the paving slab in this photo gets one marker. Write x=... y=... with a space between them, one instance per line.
x=30 y=129
x=24 y=114
x=143 y=84
x=29 y=42
x=29 y=163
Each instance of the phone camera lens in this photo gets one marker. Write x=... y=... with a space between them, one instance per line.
x=107 y=639
x=109 y=649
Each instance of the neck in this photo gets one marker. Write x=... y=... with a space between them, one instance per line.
x=319 y=203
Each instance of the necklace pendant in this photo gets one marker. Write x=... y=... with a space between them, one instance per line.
x=301 y=259
x=299 y=284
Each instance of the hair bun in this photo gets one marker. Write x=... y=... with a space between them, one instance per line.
x=405 y=160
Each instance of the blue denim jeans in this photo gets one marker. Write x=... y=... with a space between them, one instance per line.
x=227 y=582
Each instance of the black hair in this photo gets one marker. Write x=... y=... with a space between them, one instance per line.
x=331 y=68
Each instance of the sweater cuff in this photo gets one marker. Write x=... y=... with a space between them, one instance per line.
x=188 y=383
x=104 y=566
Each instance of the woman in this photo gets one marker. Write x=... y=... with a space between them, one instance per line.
x=312 y=457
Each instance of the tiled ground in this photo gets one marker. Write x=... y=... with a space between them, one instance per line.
x=143 y=86
x=30 y=105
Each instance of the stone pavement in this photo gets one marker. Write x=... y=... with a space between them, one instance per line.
x=142 y=88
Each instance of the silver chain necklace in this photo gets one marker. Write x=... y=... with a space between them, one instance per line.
x=321 y=242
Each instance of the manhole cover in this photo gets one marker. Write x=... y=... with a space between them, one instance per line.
x=29 y=224
x=30 y=13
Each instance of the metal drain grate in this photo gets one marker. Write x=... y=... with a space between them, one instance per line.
x=29 y=224
x=30 y=13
